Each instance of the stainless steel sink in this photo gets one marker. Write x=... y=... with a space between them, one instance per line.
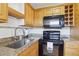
x=21 y=40
x=18 y=44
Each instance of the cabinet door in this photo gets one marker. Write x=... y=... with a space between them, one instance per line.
x=3 y=12
x=71 y=48
x=30 y=51
x=71 y=51
x=77 y=15
x=58 y=10
x=48 y=12
x=33 y=52
x=29 y=14
x=40 y=13
x=38 y=21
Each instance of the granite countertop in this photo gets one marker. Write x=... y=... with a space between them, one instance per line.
x=6 y=51
x=6 y=41
x=71 y=40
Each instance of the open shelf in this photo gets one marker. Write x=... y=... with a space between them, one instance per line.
x=14 y=13
x=69 y=15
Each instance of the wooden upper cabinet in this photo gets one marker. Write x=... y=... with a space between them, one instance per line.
x=59 y=10
x=29 y=15
x=16 y=10
x=3 y=12
x=38 y=18
x=77 y=15
x=48 y=11
x=12 y=12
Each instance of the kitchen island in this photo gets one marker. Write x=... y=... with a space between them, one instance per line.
x=30 y=48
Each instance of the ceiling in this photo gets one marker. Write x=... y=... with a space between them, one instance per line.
x=41 y=5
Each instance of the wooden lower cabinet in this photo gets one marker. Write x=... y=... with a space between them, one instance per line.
x=71 y=51
x=30 y=51
x=33 y=53
x=71 y=48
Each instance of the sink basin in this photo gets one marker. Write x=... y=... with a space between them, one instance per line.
x=18 y=44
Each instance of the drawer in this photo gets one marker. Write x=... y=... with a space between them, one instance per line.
x=71 y=52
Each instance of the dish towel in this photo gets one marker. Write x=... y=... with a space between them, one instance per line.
x=50 y=47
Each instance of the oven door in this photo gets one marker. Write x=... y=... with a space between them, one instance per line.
x=55 y=51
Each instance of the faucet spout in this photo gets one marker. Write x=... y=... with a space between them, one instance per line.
x=15 y=33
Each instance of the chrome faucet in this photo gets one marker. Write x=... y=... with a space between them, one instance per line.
x=15 y=34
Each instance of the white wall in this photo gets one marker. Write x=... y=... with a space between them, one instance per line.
x=12 y=22
x=15 y=22
x=6 y=32
x=9 y=32
x=36 y=30
x=64 y=32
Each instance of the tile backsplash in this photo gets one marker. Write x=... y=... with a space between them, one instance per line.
x=75 y=33
x=12 y=22
x=64 y=32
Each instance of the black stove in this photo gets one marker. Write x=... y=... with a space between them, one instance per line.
x=51 y=36
x=54 y=41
